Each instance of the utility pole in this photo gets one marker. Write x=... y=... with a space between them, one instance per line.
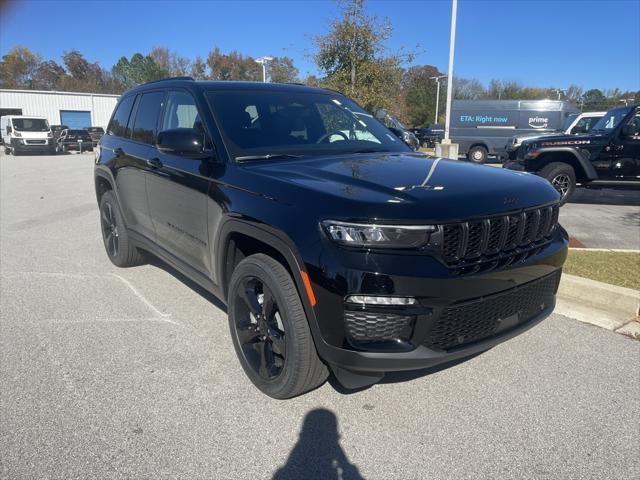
x=263 y=61
x=558 y=91
x=627 y=101
x=437 y=79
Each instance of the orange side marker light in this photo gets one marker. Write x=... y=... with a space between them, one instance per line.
x=307 y=285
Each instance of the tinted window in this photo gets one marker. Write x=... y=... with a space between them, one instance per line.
x=144 y=127
x=118 y=124
x=181 y=112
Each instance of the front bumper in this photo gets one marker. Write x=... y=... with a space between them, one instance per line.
x=29 y=146
x=456 y=316
x=88 y=145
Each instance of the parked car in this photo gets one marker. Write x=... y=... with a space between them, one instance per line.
x=608 y=156
x=429 y=136
x=483 y=127
x=74 y=139
x=332 y=251
x=407 y=137
x=23 y=134
x=56 y=130
x=576 y=124
x=96 y=134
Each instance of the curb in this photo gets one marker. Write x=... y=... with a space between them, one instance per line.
x=607 y=306
x=615 y=250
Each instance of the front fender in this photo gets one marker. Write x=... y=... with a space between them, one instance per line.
x=589 y=172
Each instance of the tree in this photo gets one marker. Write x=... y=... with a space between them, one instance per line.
x=353 y=58
x=139 y=69
x=419 y=95
x=468 y=89
x=594 y=99
x=48 y=76
x=232 y=66
x=18 y=68
x=171 y=62
x=199 y=69
x=282 y=70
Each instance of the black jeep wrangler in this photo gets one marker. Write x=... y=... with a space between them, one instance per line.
x=333 y=245
x=607 y=156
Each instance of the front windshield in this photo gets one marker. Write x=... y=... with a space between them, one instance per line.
x=256 y=123
x=30 y=125
x=612 y=119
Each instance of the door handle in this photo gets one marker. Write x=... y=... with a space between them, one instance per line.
x=118 y=152
x=154 y=163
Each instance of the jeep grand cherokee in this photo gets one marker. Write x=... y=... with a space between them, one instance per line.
x=333 y=245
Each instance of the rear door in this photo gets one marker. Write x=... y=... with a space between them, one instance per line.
x=128 y=139
x=177 y=189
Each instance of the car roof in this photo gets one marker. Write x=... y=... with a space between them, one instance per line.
x=219 y=85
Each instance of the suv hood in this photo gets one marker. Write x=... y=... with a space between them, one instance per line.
x=402 y=186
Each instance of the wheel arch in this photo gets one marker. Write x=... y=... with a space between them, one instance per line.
x=240 y=238
x=581 y=166
x=103 y=182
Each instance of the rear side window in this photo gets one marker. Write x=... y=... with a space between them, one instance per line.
x=147 y=114
x=118 y=124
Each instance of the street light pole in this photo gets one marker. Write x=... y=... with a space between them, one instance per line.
x=452 y=45
x=437 y=79
x=263 y=61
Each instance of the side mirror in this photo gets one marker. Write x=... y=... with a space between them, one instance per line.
x=9 y=129
x=186 y=142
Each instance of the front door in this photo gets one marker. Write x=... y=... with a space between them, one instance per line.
x=177 y=190
x=626 y=165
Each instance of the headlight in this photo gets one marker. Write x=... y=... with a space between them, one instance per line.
x=378 y=236
x=405 y=136
x=17 y=134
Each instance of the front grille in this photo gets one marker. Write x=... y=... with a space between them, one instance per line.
x=36 y=142
x=478 y=319
x=504 y=238
x=377 y=327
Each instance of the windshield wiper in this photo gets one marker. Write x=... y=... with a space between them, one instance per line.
x=268 y=156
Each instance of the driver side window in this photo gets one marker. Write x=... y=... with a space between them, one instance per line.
x=633 y=127
x=181 y=112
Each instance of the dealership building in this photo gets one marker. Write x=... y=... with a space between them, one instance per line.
x=73 y=109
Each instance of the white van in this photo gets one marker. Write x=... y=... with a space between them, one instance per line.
x=24 y=134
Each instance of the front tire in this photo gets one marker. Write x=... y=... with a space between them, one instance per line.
x=270 y=331
x=120 y=249
x=562 y=177
x=478 y=154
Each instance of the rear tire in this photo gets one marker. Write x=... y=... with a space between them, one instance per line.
x=562 y=177
x=119 y=246
x=478 y=154
x=270 y=331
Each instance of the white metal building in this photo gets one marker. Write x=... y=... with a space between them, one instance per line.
x=73 y=109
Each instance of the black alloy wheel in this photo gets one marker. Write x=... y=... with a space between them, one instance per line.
x=259 y=328
x=109 y=230
x=270 y=331
x=120 y=248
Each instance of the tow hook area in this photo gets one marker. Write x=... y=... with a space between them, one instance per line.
x=355 y=380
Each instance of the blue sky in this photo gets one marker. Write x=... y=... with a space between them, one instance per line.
x=593 y=43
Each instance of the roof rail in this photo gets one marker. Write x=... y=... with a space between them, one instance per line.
x=168 y=79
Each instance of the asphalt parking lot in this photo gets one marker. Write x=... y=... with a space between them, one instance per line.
x=112 y=373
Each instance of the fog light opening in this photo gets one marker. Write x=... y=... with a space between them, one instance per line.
x=379 y=300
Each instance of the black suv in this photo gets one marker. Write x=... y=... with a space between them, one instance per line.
x=333 y=245
x=607 y=156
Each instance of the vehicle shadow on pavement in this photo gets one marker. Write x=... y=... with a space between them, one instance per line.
x=606 y=196
x=318 y=454
x=203 y=292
